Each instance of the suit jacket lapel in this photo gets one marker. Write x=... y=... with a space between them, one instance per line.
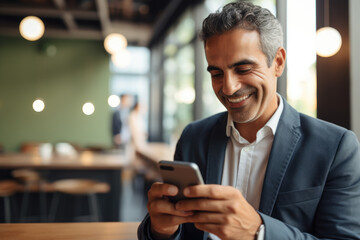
x=286 y=138
x=216 y=152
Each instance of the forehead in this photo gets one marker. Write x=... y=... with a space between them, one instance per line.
x=234 y=45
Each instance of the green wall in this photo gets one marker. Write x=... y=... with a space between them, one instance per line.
x=77 y=73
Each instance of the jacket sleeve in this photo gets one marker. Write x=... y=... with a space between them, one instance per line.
x=144 y=230
x=338 y=212
x=144 y=227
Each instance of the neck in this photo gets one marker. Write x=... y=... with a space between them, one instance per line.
x=249 y=130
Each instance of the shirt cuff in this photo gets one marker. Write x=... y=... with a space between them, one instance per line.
x=260 y=234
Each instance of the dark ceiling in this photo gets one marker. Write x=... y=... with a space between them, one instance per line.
x=138 y=20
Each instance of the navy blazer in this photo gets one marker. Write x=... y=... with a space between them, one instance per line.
x=311 y=188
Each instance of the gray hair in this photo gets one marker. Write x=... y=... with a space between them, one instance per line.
x=247 y=16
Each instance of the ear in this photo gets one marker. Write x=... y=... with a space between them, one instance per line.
x=279 y=61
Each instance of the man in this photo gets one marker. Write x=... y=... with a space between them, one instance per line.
x=283 y=175
x=120 y=121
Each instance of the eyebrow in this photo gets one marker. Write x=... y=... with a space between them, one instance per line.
x=242 y=62
x=236 y=64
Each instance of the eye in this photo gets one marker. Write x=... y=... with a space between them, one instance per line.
x=243 y=70
x=216 y=74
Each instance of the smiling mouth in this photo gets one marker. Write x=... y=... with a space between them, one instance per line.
x=239 y=99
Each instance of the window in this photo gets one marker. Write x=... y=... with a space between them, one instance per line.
x=132 y=78
x=179 y=66
x=301 y=56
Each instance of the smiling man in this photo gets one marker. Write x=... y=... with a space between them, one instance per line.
x=270 y=172
x=242 y=80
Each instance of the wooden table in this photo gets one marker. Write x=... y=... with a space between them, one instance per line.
x=84 y=161
x=70 y=231
x=155 y=152
x=106 y=167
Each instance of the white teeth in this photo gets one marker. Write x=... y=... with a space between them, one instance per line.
x=236 y=100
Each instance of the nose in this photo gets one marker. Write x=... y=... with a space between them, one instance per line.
x=231 y=84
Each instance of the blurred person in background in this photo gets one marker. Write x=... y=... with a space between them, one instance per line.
x=137 y=126
x=270 y=171
x=120 y=122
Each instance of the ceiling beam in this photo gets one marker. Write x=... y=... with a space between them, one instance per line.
x=171 y=13
x=139 y=37
x=58 y=33
x=46 y=12
x=103 y=11
x=138 y=33
x=66 y=16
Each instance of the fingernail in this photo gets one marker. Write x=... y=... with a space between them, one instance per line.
x=172 y=190
x=186 y=191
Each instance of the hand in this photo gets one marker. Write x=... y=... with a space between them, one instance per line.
x=165 y=219
x=222 y=211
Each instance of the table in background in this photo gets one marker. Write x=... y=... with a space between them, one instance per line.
x=70 y=231
x=154 y=152
x=105 y=167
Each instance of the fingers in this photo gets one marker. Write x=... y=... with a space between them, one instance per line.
x=158 y=202
x=163 y=206
x=165 y=218
x=212 y=191
x=160 y=190
x=209 y=205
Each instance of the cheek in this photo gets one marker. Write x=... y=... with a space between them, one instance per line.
x=216 y=85
x=265 y=82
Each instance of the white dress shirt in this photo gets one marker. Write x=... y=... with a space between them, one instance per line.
x=245 y=163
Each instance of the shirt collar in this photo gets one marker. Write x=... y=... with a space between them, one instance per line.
x=272 y=123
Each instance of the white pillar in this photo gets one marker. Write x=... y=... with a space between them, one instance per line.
x=354 y=20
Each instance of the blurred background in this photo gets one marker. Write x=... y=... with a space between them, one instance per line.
x=60 y=92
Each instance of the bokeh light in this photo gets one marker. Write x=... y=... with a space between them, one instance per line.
x=114 y=43
x=114 y=101
x=328 y=41
x=38 y=105
x=32 y=28
x=88 y=108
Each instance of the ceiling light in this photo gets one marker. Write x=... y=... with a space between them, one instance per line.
x=328 y=39
x=88 y=108
x=115 y=42
x=31 y=28
x=114 y=101
x=38 y=105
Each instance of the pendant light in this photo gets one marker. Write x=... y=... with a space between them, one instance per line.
x=328 y=39
x=32 y=28
x=114 y=43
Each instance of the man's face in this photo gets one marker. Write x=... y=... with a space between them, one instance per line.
x=241 y=79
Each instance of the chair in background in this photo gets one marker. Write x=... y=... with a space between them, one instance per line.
x=78 y=187
x=7 y=189
x=32 y=182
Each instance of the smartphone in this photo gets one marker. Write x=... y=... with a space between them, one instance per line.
x=180 y=174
